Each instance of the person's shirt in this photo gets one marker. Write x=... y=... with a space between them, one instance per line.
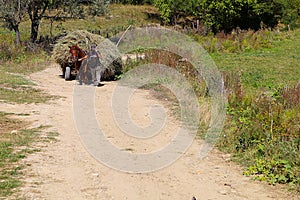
x=93 y=54
x=94 y=59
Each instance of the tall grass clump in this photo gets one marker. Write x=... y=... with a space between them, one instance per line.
x=171 y=60
x=262 y=131
x=25 y=58
x=8 y=49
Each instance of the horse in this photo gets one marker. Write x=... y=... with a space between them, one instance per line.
x=74 y=64
x=75 y=54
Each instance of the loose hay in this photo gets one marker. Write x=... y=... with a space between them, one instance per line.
x=111 y=58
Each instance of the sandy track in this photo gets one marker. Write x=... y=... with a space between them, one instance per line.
x=65 y=170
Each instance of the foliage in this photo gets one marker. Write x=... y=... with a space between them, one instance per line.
x=267 y=59
x=274 y=171
x=16 y=144
x=11 y=14
x=263 y=131
x=225 y=15
x=133 y=2
x=170 y=10
x=290 y=12
x=98 y=7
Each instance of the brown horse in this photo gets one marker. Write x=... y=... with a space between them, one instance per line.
x=75 y=53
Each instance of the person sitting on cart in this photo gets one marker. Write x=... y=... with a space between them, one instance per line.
x=93 y=63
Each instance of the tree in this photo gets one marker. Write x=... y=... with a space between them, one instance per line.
x=290 y=12
x=36 y=9
x=12 y=13
x=98 y=7
x=171 y=10
x=229 y=14
x=69 y=9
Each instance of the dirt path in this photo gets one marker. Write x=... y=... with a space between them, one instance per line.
x=65 y=170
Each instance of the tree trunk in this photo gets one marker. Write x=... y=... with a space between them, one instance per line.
x=36 y=10
x=34 y=29
x=18 y=40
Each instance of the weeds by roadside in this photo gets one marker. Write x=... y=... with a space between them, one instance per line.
x=241 y=41
x=16 y=88
x=15 y=64
x=262 y=131
x=16 y=144
x=262 y=128
x=265 y=67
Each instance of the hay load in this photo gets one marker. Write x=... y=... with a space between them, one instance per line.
x=111 y=58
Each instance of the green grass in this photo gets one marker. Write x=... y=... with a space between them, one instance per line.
x=15 y=146
x=118 y=16
x=23 y=95
x=11 y=153
x=15 y=66
x=16 y=88
x=265 y=68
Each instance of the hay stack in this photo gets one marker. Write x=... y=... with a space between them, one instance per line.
x=111 y=58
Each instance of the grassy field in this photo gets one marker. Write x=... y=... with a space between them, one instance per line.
x=266 y=67
x=119 y=16
x=16 y=88
x=15 y=65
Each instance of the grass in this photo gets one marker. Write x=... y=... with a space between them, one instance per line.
x=119 y=16
x=262 y=127
x=11 y=152
x=262 y=131
x=16 y=143
x=265 y=68
x=16 y=64
x=15 y=88
x=22 y=95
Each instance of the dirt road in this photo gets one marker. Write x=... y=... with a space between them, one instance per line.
x=65 y=170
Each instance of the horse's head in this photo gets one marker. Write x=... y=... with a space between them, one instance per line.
x=75 y=53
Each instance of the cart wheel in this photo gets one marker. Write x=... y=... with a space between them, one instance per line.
x=68 y=73
x=63 y=72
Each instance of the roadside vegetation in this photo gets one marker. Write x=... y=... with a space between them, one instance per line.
x=263 y=92
x=263 y=101
x=260 y=67
x=16 y=143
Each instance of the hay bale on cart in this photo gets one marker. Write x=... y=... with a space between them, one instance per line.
x=111 y=59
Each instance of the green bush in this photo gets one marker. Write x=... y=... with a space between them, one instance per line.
x=273 y=171
x=262 y=130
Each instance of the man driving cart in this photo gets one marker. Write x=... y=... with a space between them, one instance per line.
x=93 y=63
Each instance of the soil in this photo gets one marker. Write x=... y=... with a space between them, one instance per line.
x=65 y=170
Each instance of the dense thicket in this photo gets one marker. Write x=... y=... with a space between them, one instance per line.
x=228 y=14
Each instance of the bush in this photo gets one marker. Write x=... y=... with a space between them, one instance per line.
x=262 y=130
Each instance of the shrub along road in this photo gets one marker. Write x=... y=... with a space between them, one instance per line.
x=65 y=170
